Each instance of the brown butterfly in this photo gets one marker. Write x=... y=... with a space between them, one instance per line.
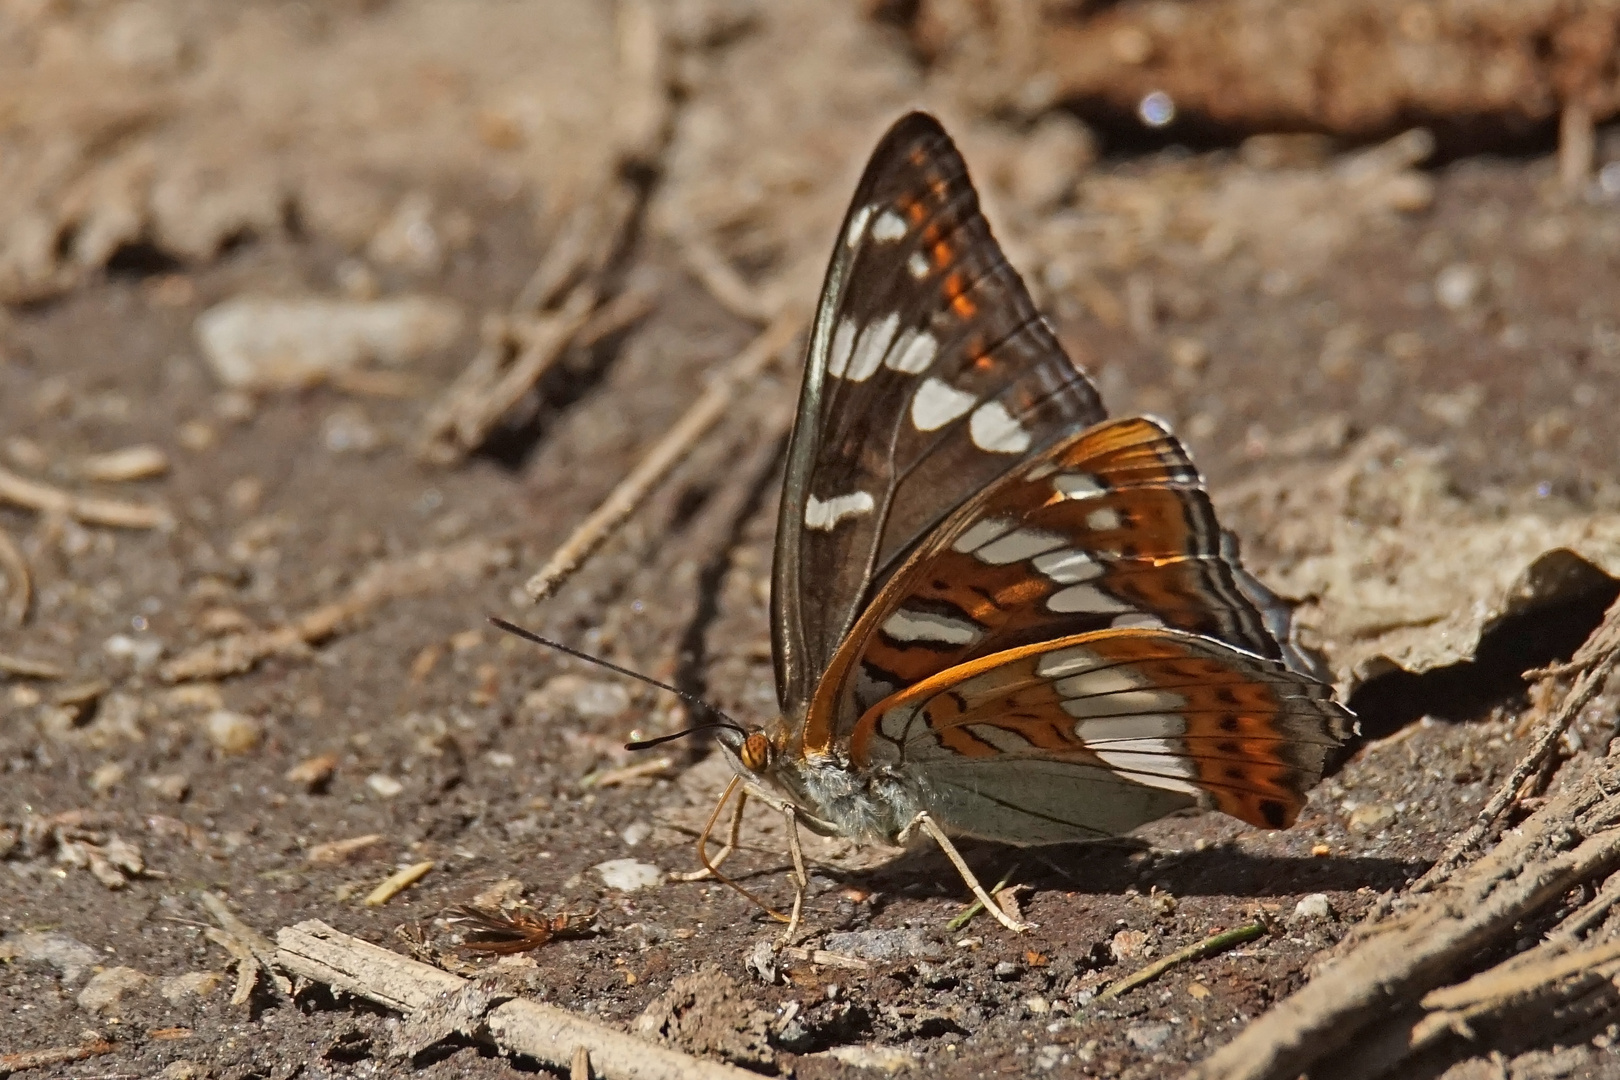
x=996 y=613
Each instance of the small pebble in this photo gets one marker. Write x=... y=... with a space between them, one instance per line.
x=314 y=773
x=104 y=992
x=1457 y=286
x=1313 y=908
x=232 y=733
x=884 y=945
x=108 y=776
x=1148 y=1037
x=195 y=984
x=142 y=651
x=1372 y=818
x=628 y=875
x=1006 y=970
x=1127 y=944
x=384 y=785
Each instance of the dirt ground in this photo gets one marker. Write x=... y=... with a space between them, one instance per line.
x=1397 y=372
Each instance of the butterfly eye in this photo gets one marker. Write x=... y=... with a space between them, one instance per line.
x=755 y=753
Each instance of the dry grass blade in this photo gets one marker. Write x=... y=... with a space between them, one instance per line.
x=19 y=582
x=707 y=411
x=33 y=495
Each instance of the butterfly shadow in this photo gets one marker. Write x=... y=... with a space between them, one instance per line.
x=1111 y=867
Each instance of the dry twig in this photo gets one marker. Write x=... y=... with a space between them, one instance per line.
x=253 y=951
x=19 y=582
x=55 y=1055
x=664 y=456
x=26 y=668
x=1198 y=950
x=1532 y=867
x=490 y=386
x=1595 y=660
x=315 y=951
x=424 y=572
x=725 y=284
x=33 y=495
x=557 y=310
x=396 y=883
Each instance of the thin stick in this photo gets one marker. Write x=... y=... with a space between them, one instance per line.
x=258 y=947
x=926 y=822
x=387 y=580
x=1576 y=145
x=396 y=883
x=724 y=283
x=967 y=913
x=1532 y=868
x=1598 y=658
x=1200 y=950
x=32 y=495
x=519 y=1026
x=707 y=411
x=55 y=1055
x=25 y=668
x=19 y=582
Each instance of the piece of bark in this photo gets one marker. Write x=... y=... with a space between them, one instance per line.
x=314 y=951
x=1434 y=945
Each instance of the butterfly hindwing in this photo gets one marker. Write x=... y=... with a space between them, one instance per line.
x=1093 y=734
x=929 y=374
x=1109 y=527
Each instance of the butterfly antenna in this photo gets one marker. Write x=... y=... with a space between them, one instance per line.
x=693 y=700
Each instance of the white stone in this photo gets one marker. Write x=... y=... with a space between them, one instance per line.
x=628 y=875
x=1313 y=908
x=262 y=343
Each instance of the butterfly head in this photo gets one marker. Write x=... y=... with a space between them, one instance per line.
x=755 y=752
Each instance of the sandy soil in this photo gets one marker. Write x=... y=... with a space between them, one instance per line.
x=1373 y=359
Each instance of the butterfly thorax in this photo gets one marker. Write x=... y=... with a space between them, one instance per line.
x=828 y=794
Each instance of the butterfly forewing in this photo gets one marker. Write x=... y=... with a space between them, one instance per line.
x=929 y=374
x=1096 y=733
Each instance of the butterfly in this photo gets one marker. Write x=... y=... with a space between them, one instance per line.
x=997 y=613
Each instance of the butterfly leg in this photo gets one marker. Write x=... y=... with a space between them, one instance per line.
x=801 y=880
x=931 y=827
x=710 y=866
